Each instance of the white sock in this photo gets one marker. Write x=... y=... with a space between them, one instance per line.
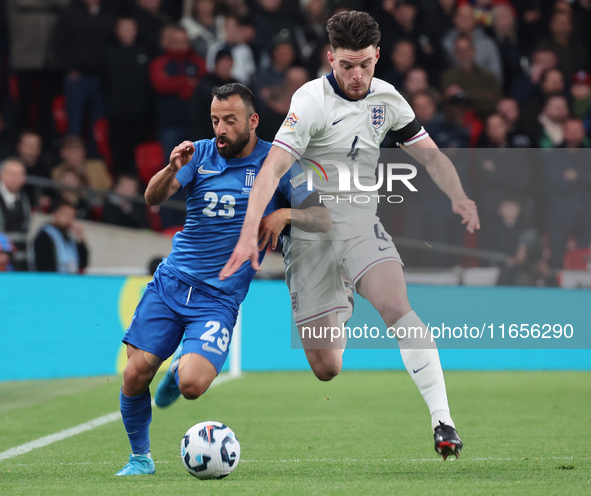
x=421 y=359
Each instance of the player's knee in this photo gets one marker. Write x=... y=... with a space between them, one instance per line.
x=192 y=389
x=134 y=381
x=327 y=372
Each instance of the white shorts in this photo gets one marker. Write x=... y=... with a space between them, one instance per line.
x=313 y=269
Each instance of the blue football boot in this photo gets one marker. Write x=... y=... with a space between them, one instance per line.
x=168 y=390
x=138 y=465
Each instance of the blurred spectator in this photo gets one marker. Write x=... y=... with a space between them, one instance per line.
x=204 y=26
x=271 y=19
x=568 y=178
x=6 y=249
x=504 y=25
x=507 y=229
x=120 y=210
x=201 y=100
x=480 y=86
x=129 y=95
x=72 y=193
x=93 y=172
x=151 y=22
x=448 y=132
x=528 y=267
x=15 y=210
x=60 y=245
x=551 y=122
x=323 y=63
x=273 y=111
x=495 y=134
x=501 y=173
x=311 y=36
x=542 y=60
x=403 y=60
x=580 y=91
x=486 y=53
x=572 y=53
x=416 y=81
x=551 y=84
x=32 y=61
x=174 y=77
x=283 y=56
x=29 y=148
x=244 y=67
x=398 y=20
x=516 y=136
x=437 y=23
x=81 y=37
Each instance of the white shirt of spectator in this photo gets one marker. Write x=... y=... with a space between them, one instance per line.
x=10 y=199
x=323 y=126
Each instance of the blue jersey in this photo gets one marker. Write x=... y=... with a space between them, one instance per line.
x=217 y=197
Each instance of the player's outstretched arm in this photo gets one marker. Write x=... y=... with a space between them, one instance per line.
x=443 y=172
x=164 y=184
x=276 y=164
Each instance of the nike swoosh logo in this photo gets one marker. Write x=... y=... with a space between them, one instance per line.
x=382 y=249
x=337 y=121
x=201 y=170
x=206 y=347
x=418 y=370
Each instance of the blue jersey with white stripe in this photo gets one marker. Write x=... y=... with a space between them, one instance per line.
x=217 y=197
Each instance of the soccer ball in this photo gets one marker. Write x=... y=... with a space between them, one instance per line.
x=210 y=450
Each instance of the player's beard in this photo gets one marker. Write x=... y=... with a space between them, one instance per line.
x=233 y=148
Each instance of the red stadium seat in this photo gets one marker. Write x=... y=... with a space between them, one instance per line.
x=60 y=115
x=101 y=138
x=577 y=259
x=149 y=159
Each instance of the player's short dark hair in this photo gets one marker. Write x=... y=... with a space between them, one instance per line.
x=227 y=90
x=353 y=30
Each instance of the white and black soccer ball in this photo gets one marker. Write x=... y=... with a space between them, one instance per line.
x=210 y=450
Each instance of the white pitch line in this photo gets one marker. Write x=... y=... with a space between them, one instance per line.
x=86 y=426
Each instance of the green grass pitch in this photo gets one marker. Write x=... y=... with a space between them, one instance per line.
x=363 y=433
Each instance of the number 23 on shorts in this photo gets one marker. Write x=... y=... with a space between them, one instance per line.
x=221 y=342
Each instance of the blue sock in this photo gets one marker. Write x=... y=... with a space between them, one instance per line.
x=137 y=415
x=176 y=376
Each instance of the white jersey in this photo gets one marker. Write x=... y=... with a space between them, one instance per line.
x=324 y=129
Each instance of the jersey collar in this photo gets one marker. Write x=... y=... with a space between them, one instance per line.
x=337 y=89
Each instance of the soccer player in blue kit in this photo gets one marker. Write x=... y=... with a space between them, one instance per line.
x=186 y=295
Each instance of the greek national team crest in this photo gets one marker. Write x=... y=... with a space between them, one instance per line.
x=377 y=114
x=250 y=174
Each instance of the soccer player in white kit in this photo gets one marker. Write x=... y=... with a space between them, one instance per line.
x=351 y=111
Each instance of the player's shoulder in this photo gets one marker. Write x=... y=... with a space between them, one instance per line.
x=312 y=91
x=383 y=89
x=205 y=146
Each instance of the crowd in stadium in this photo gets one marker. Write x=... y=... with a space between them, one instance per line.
x=93 y=91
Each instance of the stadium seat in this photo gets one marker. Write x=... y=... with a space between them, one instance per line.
x=149 y=159
x=60 y=115
x=577 y=259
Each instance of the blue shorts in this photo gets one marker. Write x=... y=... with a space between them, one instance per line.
x=169 y=308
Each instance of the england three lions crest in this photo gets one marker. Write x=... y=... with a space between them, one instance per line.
x=377 y=114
